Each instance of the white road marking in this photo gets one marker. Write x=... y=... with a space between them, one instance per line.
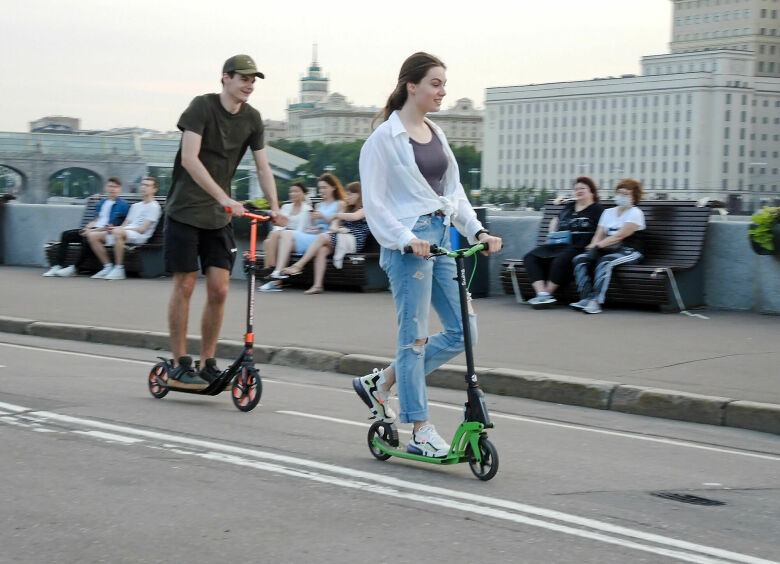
x=113 y=437
x=388 y=486
x=335 y=420
x=493 y=414
x=71 y=353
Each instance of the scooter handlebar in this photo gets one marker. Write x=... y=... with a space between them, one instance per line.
x=441 y=251
x=259 y=216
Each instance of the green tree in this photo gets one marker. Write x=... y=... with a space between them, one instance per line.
x=468 y=158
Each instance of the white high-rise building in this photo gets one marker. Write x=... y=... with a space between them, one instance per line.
x=747 y=25
x=696 y=124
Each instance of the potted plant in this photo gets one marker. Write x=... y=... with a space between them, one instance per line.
x=764 y=232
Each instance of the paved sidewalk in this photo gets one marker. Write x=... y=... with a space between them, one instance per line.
x=730 y=356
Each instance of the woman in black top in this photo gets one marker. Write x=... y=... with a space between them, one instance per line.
x=549 y=266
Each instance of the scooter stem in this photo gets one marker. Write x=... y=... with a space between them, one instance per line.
x=476 y=409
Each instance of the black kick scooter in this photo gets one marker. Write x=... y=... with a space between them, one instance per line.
x=241 y=377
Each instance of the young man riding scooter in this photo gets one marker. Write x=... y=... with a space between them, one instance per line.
x=216 y=131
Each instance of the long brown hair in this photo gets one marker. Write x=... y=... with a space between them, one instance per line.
x=354 y=188
x=413 y=70
x=331 y=180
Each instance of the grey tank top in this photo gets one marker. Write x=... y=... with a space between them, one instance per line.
x=432 y=161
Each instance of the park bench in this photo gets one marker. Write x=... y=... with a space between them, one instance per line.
x=670 y=276
x=144 y=260
x=359 y=270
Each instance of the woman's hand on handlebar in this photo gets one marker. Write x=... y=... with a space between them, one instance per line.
x=492 y=244
x=419 y=247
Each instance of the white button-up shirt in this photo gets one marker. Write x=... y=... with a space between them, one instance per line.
x=395 y=193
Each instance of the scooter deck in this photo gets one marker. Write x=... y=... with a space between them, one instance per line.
x=468 y=433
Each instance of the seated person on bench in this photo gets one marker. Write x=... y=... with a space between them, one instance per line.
x=549 y=266
x=347 y=234
x=619 y=239
x=110 y=211
x=136 y=230
x=297 y=212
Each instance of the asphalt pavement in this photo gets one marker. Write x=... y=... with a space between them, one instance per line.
x=97 y=470
x=719 y=367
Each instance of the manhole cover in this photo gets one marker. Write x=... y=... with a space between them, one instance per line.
x=688 y=498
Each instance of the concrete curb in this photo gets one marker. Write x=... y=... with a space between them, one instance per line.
x=670 y=404
x=570 y=390
x=753 y=415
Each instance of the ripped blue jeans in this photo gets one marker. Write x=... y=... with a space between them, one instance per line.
x=417 y=284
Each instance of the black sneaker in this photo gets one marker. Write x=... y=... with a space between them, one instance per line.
x=183 y=376
x=209 y=371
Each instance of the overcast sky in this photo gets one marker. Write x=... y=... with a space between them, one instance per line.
x=139 y=63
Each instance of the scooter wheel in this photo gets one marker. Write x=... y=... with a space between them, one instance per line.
x=385 y=431
x=158 y=380
x=247 y=389
x=486 y=468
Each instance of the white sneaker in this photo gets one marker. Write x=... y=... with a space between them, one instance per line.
x=102 y=273
x=369 y=388
x=542 y=301
x=279 y=275
x=53 y=270
x=269 y=287
x=580 y=304
x=117 y=273
x=426 y=441
x=592 y=307
x=67 y=271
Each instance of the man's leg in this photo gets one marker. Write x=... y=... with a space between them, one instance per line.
x=217 y=286
x=178 y=311
x=67 y=237
x=119 y=245
x=97 y=242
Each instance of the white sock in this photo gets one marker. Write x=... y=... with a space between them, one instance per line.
x=108 y=265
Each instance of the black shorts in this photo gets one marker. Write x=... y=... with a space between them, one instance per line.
x=185 y=244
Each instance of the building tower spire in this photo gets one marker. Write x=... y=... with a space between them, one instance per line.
x=314 y=53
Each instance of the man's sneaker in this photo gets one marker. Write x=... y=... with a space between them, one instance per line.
x=368 y=389
x=67 y=271
x=209 y=371
x=102 y=273
x=183 y=376
x=53 y=270
x=592 y=307
x=580 y=304
x=278 y=275
x=269 y=287
x=117 y=273
x=542 y=301
x=426 y=441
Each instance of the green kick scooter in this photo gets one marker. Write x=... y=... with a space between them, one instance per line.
x=470 y=443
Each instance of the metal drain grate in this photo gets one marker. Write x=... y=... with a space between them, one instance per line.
x=688 y=498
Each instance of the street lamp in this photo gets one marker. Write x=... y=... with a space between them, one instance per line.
x=754 y=196
x=476 y=192
x=615 y=170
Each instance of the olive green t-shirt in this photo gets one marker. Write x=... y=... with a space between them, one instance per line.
x=225 y=138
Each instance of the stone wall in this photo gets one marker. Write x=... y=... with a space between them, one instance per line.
x=735 y=277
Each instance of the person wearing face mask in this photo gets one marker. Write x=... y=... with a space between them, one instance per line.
x=619 y=239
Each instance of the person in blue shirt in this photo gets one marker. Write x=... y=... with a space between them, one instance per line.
x=110 y=212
